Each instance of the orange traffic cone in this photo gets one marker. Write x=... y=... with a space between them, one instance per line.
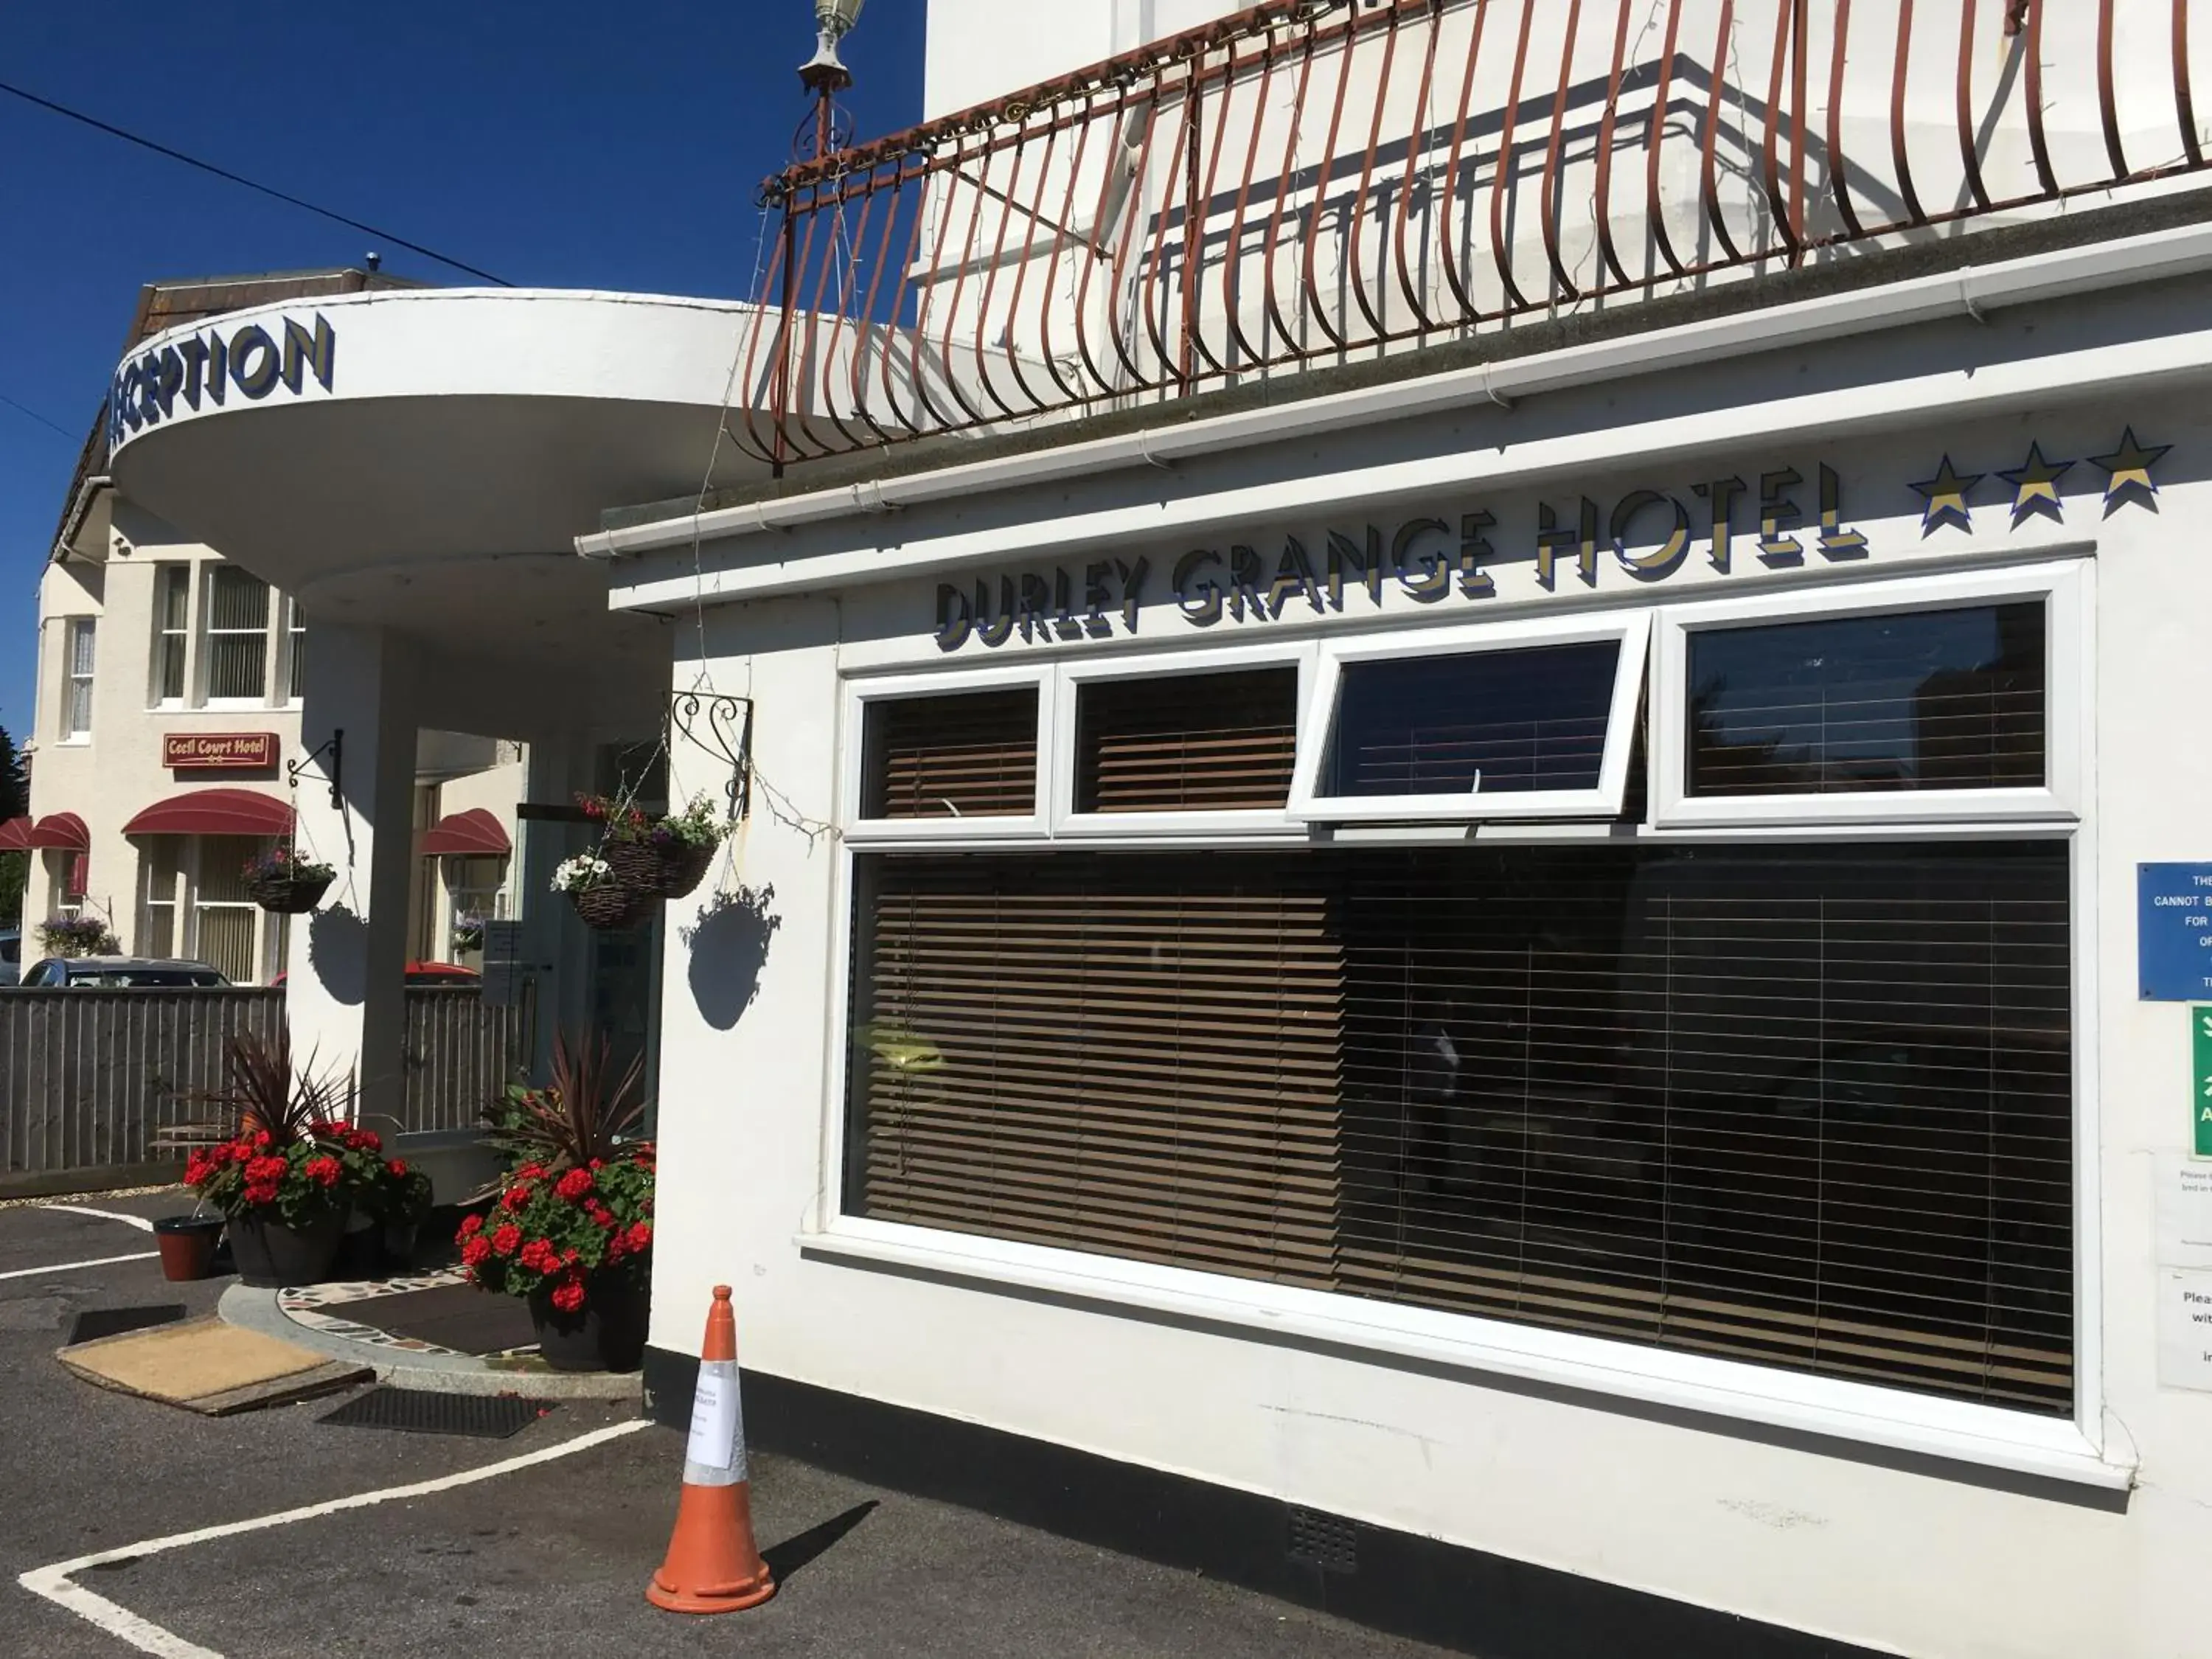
x=712 y=1565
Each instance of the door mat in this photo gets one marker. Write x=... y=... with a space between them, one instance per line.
x=207 y=1366
x=460 y=1317
x=417 y=1411
x=96 y=1322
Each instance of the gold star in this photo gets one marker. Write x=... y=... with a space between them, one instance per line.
x=1946 y=495
x=2035 y=486
x=2128 y=468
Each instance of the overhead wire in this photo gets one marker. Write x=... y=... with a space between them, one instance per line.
x=175 y=155
x=26 y=411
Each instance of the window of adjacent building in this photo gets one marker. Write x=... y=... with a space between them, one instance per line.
x=961 y=755
x=225 y=921
x=1187 y=743
x=159 y=871
x=234 y=628
x=1949 y=699
x=173 y=605
x=76 y=679
x=295 y=651
x=1508 y=720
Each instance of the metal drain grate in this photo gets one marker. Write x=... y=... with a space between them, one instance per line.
x=1326 y=1541
x=96 y=1322
x=418 y=1411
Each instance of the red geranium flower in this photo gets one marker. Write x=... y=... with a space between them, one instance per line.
x=365 y=1140
x=529 y=1172
x=324 y=1171
x=574 y=1185
x=569 y=1296
x=537 y=1256
x=515 y=1198
x=266 y=1171
x=257 y=1194
x=640 y=1237
x=261 y=1139
x=397 y=1167
x=472 y=1226
x=474 y=1252
x=503 y=1241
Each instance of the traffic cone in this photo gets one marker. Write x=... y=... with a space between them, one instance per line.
x=712 y=1565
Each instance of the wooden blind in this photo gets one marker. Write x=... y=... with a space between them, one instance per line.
x=1187 y=743
x=1920 y=700
x=969 y=754
x=1502 y=721
x=1133 y=1057
x=1807 y=1107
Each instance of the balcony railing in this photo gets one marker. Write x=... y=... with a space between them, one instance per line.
x=1312 y=182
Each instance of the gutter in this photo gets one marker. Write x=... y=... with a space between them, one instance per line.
x=1973 y=291
x=87 y=492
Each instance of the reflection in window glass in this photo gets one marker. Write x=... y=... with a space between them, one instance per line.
x=1187 y=743
x=172 y=600
x=1491 y=722
x=1922 y=700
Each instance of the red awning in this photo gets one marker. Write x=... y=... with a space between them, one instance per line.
x=214 y=812
x=64 y=831
x=15 y=836
x=475 y=833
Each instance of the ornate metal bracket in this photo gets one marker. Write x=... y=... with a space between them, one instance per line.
x=331 y=750
x=723 y=727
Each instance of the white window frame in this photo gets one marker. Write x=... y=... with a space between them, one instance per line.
x=860 y=693
x=1065 y=757
x=291 y=651
x=74 y=628
x=207 y=633
x=164 y=575
x=2061 y=588
x=1631 y=628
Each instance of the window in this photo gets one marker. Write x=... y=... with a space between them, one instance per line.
x=235 y=652
x=1805 y=1106
x=295 y=651
x=1505 y=720
x=76 y=681
x=159 y=867
x=1941 y=697
x=935 y=760
x=1185 y=743
x=226 y=922
x=1916 y=700
x=173 y=604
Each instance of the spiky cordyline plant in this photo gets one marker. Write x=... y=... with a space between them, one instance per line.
x=261 y=1092
x=579 y=1116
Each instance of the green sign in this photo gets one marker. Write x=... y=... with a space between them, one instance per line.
x=2200 y=1025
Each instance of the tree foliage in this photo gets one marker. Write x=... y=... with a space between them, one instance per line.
x=15 y=802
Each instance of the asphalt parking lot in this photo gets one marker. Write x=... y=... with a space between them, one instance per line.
x=551 y=1558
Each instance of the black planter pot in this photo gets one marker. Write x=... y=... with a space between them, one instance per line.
x=271 y=1255
x=607 y=1333
x=398 y=1238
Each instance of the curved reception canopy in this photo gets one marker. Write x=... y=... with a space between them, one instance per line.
x=422 y=458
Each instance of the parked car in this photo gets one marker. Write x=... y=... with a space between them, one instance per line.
x=121 y=973
x=11 y=958
x=420 y=973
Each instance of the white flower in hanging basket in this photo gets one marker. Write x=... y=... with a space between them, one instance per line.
x=584 y=870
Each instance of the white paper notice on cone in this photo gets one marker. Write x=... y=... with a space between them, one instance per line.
x=714 y=1422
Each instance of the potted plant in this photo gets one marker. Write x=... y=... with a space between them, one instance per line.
x=600 y=900
x=572 y=1230
x=282 y=1179
x=659 y=857
x=469 y=931
x=285 y=881
x=401 y=1200
x=78 y=936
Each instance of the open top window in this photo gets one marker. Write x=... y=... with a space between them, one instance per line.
x=1506 y=720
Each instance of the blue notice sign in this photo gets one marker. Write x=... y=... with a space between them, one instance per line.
x=2173 y=932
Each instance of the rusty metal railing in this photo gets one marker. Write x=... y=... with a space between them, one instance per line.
x=1312 y=182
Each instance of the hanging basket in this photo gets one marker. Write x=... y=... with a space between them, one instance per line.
x=607 y=905
x=658 y=870
x=288 y=895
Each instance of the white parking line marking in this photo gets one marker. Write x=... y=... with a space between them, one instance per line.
x=53 y=1582
x=71 y=1266
x=138 y=1221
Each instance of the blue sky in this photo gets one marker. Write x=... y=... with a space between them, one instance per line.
x=556 y=143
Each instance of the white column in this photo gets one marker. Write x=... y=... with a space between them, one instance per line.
x=345 y=995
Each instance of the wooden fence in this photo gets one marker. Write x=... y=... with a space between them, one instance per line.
x=89 y=1078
